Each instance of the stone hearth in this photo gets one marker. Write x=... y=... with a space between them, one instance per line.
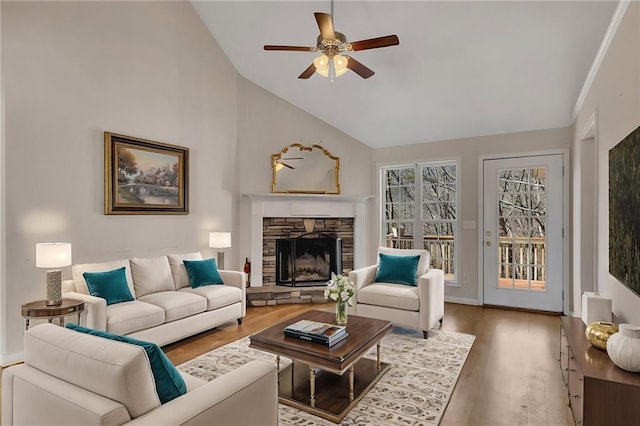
x=281 y=295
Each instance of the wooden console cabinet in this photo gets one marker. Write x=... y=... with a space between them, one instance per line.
x=600 y=393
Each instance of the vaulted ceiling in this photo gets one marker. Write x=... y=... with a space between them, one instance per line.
x=461 y=69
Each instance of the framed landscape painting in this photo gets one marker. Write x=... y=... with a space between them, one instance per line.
x=144 y=177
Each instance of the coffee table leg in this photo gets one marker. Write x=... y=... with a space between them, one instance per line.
x=351 y=380
x=378 y=356
x=312 y=386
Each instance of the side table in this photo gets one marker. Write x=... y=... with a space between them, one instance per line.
x=40 y=310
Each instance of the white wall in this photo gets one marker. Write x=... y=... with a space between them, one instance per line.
x=469 y=151
x=267 y=124
x=615 y=96
x=73 y=70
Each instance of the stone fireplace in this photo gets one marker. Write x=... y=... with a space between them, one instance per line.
x=286 y=216
x=304 y=251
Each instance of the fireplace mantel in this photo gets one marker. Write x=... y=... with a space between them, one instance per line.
x=305 y=205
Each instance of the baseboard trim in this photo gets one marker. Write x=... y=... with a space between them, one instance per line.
x=461 y=300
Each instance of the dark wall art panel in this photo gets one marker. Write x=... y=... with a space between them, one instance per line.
x=624 y=211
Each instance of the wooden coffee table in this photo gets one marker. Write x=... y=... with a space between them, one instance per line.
x=315 y=382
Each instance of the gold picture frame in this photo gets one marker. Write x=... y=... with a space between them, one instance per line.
x=144 y=177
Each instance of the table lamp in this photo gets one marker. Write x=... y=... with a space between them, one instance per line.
x=53 y=256
x=220 y=240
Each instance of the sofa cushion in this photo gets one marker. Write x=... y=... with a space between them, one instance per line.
x=397 y=269
x=390 y=295
x=176 y=304
x=80 y=283
x=179 y=272
x=110 y=285
x=151 y=275
x=425 y=257
x=129 y=317
x=169 y=383
x=111 y=369
x=202 y=272
x=217 y=295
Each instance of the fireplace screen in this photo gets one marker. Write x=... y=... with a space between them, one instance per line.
x=307 y=261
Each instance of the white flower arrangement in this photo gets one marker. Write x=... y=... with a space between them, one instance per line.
x=339 y=289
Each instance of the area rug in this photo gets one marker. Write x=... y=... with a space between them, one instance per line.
x=415 y=391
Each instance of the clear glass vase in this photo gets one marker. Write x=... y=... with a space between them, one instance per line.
x=341 y=312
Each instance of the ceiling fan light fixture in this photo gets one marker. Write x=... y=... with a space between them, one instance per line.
x=340 y=64
x=323 y=65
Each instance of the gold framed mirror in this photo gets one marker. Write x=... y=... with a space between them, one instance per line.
x=299 y=169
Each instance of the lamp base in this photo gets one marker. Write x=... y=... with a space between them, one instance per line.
x=54 y=287
x=220 y=260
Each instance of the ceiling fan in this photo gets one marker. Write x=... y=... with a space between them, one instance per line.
x=280 y=164
x=332 y=44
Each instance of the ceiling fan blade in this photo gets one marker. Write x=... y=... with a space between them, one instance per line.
x=294 y=48
x=325 y=23
x=308 y=72
x=375 y=43
x=358 y=68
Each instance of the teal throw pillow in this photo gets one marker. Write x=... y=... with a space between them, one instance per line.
x=169 y=382
x=398 y=269
x=110 y=285
x=202 y=272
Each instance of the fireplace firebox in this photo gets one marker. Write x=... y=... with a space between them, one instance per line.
x=306 y=261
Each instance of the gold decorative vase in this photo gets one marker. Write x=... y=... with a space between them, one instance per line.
x=598 y=333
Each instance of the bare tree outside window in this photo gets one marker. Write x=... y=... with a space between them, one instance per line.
x=428 y=222
x=522 y=207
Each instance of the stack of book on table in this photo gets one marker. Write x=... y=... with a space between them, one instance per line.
x=319 y=332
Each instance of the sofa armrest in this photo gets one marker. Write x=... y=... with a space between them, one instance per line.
x=431 y=295
x=27 y=390
x=95 y=310
x=236 y=279
x=363 y=276
x=223 y=401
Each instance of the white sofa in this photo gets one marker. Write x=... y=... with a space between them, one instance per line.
x=72 y=378
x=420 y=306
x=166 y=309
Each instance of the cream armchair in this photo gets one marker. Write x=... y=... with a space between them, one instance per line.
x=72 y=378
x=420 y=306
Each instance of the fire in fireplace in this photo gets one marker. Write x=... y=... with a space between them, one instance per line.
x=305 y=261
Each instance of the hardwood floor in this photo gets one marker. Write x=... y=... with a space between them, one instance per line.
x=512 y=375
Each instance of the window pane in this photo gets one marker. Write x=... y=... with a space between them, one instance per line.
x=435 y=195
x=391 y=177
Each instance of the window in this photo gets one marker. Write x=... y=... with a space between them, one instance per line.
x=428 y=221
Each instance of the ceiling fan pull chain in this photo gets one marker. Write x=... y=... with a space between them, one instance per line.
x=332 y=70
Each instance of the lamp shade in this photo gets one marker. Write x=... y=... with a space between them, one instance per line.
x=219 y=239
x=53 y=255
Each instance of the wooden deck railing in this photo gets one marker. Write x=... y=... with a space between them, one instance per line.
x=518 y=258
